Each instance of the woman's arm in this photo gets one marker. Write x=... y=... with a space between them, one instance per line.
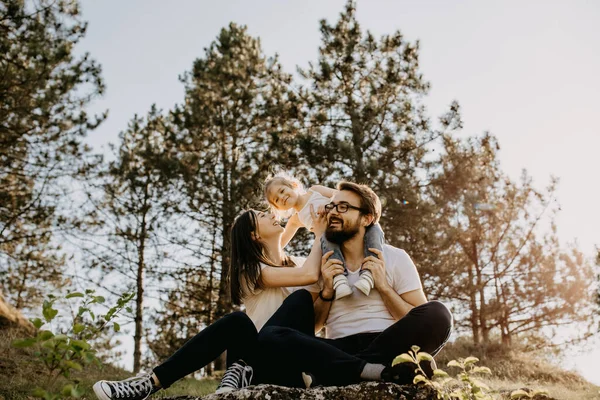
x=325 y=191
x=309 y=272
x=290 y=230
x=305 y=275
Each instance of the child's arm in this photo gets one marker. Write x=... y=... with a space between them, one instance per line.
x=325 y=191
x=290 y=230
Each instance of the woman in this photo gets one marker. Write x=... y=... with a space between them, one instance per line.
x=261 y=277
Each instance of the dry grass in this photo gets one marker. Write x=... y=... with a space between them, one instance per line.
x=514 y=369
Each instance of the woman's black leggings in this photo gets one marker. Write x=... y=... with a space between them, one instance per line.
x=236 y=334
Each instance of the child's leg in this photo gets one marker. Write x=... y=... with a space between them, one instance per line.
x=374 y=238
x=340 y=282
x=327 y=246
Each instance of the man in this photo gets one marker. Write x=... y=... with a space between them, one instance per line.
x=363 y=333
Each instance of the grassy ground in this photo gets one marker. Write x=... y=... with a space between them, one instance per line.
x=20 y=373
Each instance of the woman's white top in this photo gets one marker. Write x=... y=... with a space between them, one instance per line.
x=261 y=304
x=317 y=200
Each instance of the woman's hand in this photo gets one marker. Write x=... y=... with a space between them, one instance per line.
x=319 y=221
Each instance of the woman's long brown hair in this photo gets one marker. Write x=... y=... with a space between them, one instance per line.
x=246 y=256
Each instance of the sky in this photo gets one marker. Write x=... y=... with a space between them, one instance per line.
x=525 y=71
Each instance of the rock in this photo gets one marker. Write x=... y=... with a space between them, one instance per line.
x=362 y=391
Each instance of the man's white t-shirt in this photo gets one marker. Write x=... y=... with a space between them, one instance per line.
x=317 y=200
x=358 y=313
x=261 y=304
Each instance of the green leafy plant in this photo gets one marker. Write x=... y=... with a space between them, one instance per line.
x=64 y=352
x=465 y=386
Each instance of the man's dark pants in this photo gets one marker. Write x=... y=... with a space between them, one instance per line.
x=294 y=349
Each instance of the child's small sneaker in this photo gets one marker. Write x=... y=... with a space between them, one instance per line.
x=237 y=376
x=341 y=286
x=365 y=282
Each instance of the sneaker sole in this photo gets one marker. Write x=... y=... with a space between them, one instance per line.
x=100 y=393
x=364 y=288
x=224 y=390
x=340 y=293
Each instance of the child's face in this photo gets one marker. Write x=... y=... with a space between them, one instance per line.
x=282 y=197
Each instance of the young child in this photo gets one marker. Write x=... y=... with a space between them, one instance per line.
x=288 y=197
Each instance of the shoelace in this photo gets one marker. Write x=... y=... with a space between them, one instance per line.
x=236 y=376
x=141 y=384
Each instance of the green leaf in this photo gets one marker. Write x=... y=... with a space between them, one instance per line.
x=48 y=312
x=72 y=365
x=38 y=323
x=110 y=313
x=424 y=357
x=89 y=357
x=61 y=338
x=471 y=360
x=80 y=344
x=66 y=390
x=440 y=373
x=415 y=349
x=78 y=328
x=481 y=370
x=73 y=294
x=519 y=394
x=77 y=392
x=454 y=363
x=116 y=327
x=45 y=335
x=39 y=392
x=92 y=315
x=420 y=378
x=99 y=299
x=128 y=309
x=402 y=358
x=21 y=343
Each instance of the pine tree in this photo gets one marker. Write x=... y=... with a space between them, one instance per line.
x=366 y=124
x=44 y=89
x=129 y=208
x=233 y=126
x=501 y=261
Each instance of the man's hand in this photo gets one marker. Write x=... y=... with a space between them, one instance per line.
x=377 y=267
x=329 y=269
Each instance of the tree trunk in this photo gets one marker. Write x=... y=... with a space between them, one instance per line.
x=139 y=301
x=473 y=306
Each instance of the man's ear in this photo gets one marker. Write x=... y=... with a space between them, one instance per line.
x=368 y=219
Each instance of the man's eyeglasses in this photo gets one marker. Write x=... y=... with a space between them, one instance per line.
x=342 y=208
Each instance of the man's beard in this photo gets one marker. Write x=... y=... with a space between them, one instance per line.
x=342 y=235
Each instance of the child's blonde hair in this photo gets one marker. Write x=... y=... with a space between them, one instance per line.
x=282 y=178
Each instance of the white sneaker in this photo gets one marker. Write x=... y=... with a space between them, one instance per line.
x=341 y=286
x=365 y=283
